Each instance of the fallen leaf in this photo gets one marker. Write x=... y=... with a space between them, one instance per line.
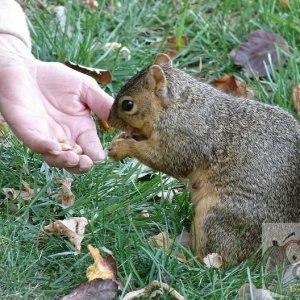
x=145 y=213
x=284 y=4
x=65 y=194
x=296 y=98
x=61 y=15
x=124 y=51
x=184 y=239
x=254 y=54
x=163 y=242
x=213 y=260
x=13 y=194
x=100 y=75
x=96 y=289
x=102 y=268
x=172 y=41
x=93 y=4
x=149 y=293
x=112 y=46
x=231 y=85
x=72 y=228
x=258 y=294
x=175 y=45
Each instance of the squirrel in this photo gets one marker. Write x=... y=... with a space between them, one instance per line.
x=241 y=158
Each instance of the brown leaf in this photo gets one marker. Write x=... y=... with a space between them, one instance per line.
x=65 y=194
x=97 y=289
x=174 y=46
x=254 y=54
x=72 y=228
x=296 y=98
x=183 y=41
x=163 y=242
x=231 y=85
x=13 y=194
x=284 y=4
x=100 y=75
x=102 y=268
x=184 y=239
x=93 y=4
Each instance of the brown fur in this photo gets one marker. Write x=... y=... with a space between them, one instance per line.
x=241 y=157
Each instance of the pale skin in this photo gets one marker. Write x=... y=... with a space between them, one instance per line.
x=49 y=107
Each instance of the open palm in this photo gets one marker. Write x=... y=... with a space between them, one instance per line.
x=48 y=106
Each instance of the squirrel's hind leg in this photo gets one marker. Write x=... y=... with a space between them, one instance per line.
x=225 y=233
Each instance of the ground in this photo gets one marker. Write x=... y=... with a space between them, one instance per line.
x=36 y=266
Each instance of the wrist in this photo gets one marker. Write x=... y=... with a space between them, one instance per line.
x=13 y=51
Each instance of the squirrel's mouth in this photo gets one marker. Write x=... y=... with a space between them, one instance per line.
x=134 y=135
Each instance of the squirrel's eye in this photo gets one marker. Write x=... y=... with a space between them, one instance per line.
x=127 y=105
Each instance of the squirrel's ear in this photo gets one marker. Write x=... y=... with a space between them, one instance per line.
x=163 y=60
x=156 y=79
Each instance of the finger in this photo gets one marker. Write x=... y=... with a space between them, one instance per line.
x=44 y=146
x=65 y=159
x=84 y=165
x=97 y=100
x=91 y=146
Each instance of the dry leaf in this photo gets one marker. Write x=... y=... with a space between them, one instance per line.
x=96 y=289
x=175 y=47
x=172 y=42
x=124 y=51
x=145 y=213
x=296 y=98
x=102 y=268
x=149 y=293
x=65 y=194
x=213 y=260
x=231 y=85
x=72 y=228
x=100 y=75
x=184 y=239
x=258 y=294
x=13 y=194
x=284 y=4
x=60 y=12
x=254 y=54
x=93 y=4
x=163 y=242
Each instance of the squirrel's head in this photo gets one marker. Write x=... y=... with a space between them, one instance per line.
x=141 y=100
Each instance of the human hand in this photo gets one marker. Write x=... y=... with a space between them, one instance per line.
x=48 y=106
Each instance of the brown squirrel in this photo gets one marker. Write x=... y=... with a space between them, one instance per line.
x=240 y=157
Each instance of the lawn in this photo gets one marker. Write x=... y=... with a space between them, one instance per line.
x=112 y=196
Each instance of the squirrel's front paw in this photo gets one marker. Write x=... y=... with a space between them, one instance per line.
x=119 y=149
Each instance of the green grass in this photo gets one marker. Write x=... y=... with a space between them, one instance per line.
x=36 y=266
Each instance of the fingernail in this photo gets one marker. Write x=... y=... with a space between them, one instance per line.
x=98 y=162
x=84 y=170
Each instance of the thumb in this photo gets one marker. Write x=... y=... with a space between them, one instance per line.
x=96 y=99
